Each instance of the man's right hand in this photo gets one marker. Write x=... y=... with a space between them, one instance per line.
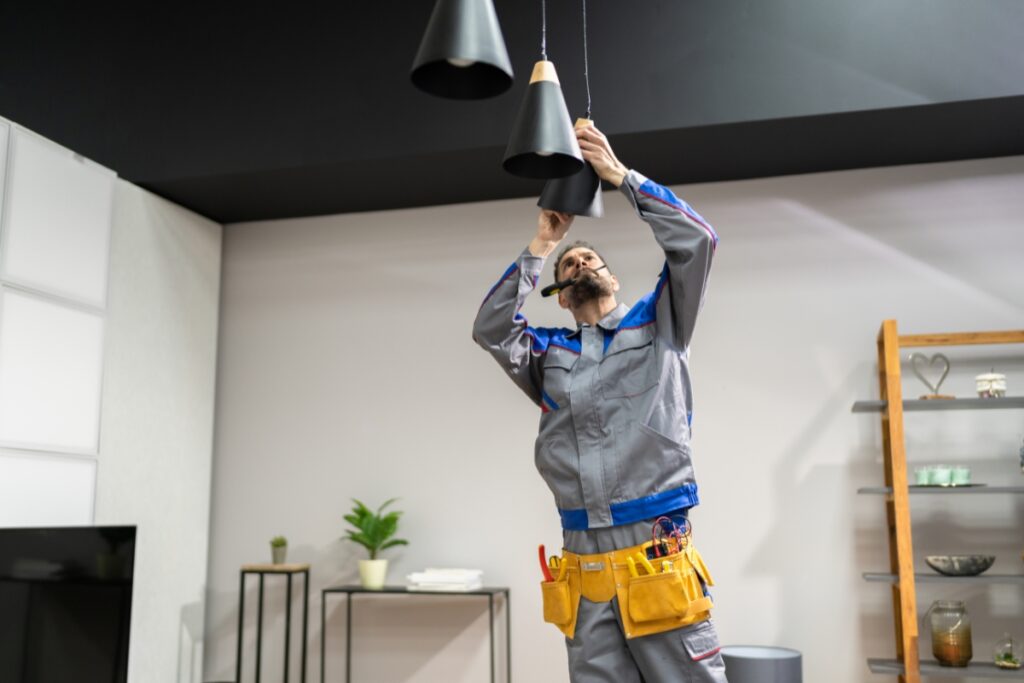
x=551 y=229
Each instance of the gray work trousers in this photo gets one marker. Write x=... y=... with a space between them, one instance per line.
x=600 y=652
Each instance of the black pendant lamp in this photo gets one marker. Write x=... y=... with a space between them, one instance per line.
x=543 y=144
x=463 y=53
x=580 y=193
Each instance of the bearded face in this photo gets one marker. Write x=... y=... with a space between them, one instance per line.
x=588 y=287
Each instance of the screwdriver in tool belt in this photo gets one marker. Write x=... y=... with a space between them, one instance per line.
x=645 y=562
x=632 y=568
x=563 y=566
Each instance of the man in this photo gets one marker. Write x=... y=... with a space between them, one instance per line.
x=614 y=437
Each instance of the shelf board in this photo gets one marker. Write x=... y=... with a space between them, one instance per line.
x=932 y=668
x=939 y=578
x=945 y=490
x=912 y=405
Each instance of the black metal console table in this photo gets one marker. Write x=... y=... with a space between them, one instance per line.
x=351 y=591
x=262 y=570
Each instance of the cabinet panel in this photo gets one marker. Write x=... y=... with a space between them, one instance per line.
x=51 y=359
x=56 y=221
x=37 y=490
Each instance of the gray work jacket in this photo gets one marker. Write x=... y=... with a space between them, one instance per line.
x=615 y=398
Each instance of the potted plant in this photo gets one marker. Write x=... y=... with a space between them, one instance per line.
x=373 y=531
x=278 y=549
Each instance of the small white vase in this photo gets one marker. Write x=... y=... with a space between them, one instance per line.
x=278 y=553
x=372 y=573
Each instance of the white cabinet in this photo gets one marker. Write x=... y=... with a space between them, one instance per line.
x=55 y=216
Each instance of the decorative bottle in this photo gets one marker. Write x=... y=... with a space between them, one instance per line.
x=951 y=633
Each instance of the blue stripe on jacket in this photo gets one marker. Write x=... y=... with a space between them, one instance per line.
x=506 y=275
x=666 y=196
x=636 y=510
x=550 y=402
x=543 y=337
x=644 y=310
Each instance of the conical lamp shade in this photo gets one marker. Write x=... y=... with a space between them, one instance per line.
x=578 y=194
x=543 y=144
x=463 y=53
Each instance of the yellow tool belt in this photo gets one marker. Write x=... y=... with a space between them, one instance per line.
x=670 y=597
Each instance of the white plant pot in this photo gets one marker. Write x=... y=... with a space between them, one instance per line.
x=278 y=554
x=372 y=573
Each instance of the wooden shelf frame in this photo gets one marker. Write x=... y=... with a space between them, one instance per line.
x=897 y=503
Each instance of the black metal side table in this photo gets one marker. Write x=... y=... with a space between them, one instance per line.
x=351 y=591
x=262 y=570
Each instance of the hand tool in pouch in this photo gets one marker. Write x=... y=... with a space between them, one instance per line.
x=544 y=564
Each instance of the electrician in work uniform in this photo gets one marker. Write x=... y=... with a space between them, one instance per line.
x=614 y=440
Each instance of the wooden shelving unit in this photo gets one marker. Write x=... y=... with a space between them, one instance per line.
x=907 y=665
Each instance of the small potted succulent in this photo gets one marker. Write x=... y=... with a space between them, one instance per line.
x=278 y=549
x=373 y=531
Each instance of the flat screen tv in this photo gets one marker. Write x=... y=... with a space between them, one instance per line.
x=65 y=604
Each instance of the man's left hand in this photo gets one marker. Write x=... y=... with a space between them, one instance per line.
x=598 y=152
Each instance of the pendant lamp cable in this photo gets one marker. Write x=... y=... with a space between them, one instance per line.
x=543 y=30
x=586 y=66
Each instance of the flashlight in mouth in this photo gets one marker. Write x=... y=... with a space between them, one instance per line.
x=563 y=284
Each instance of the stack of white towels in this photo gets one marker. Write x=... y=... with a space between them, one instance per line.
x=455 y=580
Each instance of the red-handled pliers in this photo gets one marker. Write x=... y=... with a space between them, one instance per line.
x=544 y=563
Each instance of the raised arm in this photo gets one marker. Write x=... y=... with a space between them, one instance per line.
x=500 y=328
x=686 y=238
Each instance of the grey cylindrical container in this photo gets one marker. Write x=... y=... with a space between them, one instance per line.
x=759 y=664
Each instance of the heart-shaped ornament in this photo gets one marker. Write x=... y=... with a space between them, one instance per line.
x=921 y=364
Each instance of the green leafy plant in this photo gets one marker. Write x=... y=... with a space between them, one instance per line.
x=278 y=542
x=373 y=530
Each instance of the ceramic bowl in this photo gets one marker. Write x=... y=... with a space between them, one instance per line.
x=960 y=565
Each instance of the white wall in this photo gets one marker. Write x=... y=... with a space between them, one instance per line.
x=156 y=433
x=346 y=369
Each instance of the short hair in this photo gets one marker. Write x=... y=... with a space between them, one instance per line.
x=576 y=245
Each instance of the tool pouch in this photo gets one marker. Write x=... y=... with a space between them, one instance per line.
x=557 y=608
x=657 y=596
x=654 y=603
x=561 y=600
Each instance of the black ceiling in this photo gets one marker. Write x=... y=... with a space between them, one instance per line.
x=245 y=113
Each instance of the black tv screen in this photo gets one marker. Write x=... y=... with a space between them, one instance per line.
x=65 y=604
